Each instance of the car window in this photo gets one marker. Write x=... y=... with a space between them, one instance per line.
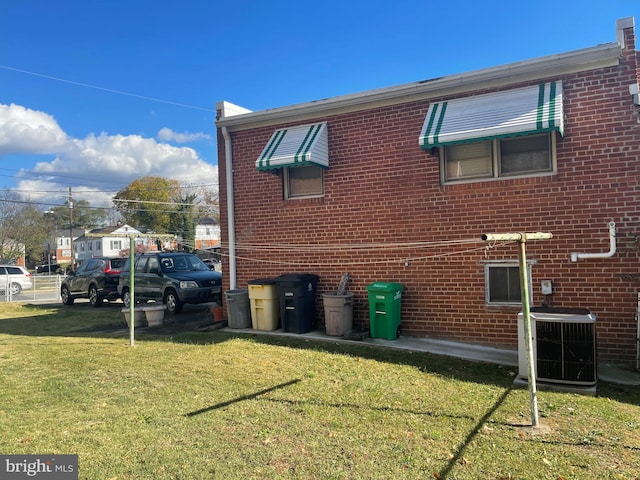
x=180 y=263
x=198 y=264
x=117 y=263
x=167 y=265
x=153 y=266
x=141 y=264
x=3 y=271
x=15 y=271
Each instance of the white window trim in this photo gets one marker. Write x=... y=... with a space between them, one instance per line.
x=495 y=148
x=505 y=263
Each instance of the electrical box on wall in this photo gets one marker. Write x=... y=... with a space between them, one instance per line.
x=547 y=287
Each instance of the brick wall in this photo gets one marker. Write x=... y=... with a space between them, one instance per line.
x=383 y=193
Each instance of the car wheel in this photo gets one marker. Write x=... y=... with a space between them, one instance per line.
x=94 y=299
x=15 y=288
x=173 y=303
x=67 y=299
x=126 y=298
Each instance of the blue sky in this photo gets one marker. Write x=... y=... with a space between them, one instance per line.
x=96 y=94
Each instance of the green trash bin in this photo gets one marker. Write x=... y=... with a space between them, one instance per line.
x=384 y=309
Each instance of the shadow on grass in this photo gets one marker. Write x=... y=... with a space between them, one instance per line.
x=353 y=406
x=82 y=320
x=242 y=398
x=458 y=456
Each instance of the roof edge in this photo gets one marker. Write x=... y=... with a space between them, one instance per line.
x=604 y=55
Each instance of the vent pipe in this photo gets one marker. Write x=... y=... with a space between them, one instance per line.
x=612 y=249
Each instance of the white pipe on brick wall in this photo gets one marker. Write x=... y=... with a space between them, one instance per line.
x=231 y=227
x=612 y=249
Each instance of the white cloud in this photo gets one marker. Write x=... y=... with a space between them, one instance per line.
x=98 y=165
x=168 y=135
x=28 y=131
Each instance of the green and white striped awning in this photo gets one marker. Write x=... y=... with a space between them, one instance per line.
x=510 y=113
x=296 y=146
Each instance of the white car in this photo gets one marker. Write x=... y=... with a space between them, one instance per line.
x=16 y=278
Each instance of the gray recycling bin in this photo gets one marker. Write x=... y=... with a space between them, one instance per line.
x=238 y=311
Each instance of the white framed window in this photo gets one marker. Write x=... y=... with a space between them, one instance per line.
x=507 y=157
x=303 y=181
x=115 y=244
x=502 y=283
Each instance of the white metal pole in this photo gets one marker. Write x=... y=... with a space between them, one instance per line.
x=522 y=238
x=132 y=289
x=526 y=313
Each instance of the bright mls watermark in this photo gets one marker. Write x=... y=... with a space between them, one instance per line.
x=49 y=467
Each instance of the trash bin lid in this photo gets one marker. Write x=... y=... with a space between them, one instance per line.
x=237 y=291
x=262 y=281
x=297 y=277
x=387 y=287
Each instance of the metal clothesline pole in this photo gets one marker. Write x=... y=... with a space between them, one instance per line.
x=522 y=238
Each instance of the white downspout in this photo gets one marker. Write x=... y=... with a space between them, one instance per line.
x=231 y=224
x=612 y=249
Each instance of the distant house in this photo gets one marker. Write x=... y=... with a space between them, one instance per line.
x=107 y=242
x=207 y=234
x=61 y=251
x=399 y=184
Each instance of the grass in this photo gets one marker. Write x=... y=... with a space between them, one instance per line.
x=215 y=405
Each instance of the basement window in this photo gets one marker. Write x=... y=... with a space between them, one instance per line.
x=502 y=283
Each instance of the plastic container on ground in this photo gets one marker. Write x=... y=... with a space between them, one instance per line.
x=297 y=293
x=138 y=315
x=154 y=314
x=338 y=313
x=238 y=312
x=384 y=309
x=264 y=303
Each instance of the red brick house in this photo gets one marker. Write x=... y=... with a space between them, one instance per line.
x=399 y=184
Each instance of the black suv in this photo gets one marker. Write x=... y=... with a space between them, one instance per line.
x=96 y=279
x=171 y=278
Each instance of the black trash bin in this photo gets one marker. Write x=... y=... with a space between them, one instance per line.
x=297 y=294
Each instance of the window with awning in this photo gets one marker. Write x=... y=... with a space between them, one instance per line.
x=296 y=146
x=523 y=111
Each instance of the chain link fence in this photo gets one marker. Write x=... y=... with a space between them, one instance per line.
x=44 y=289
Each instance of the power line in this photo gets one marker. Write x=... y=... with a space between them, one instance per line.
x=110 y=90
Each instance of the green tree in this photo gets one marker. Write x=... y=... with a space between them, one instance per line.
x=183 y=222
x=148 y=203
x=84 y=215
x=22 y=230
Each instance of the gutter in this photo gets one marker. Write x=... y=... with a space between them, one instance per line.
x=231 y=224
x=606 y=55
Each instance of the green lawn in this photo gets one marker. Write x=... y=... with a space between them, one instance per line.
x=214 y=405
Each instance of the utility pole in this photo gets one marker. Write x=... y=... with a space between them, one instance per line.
x=522 y=238
x=73 y=257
